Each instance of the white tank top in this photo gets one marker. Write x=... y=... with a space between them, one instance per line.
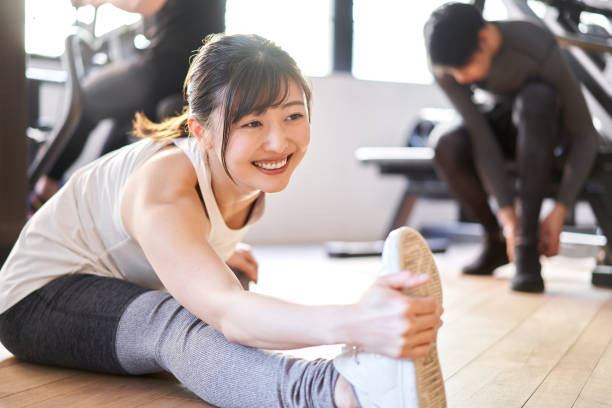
x=79 y=230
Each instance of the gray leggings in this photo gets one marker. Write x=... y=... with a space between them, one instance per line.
x=114 y=326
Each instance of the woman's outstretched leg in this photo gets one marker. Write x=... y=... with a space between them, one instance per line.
x=113 y=326
x=156 y=333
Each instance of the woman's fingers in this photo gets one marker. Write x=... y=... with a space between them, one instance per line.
x=425 y=321
x=398 y=325
x=250 y=271
x=250 y=258
x=416 y=307
x=244 y=261
x=402 y=280
x=417 y=351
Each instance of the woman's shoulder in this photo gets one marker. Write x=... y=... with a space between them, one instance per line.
x=169 y=163
x=164 y=176
x=167 y=178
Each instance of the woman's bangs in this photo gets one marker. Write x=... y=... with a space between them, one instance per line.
x=259 y=90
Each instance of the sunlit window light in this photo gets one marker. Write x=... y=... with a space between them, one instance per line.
x=388 y=40
x=302 y=28
x=48 y=22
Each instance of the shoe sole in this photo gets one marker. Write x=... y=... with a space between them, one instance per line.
x=406 y=249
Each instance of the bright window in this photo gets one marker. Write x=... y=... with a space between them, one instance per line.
x=302 y=28
x=388 y=42
x=48 y=22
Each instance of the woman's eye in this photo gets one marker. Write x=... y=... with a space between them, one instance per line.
x=295 y=116
x=252 y=124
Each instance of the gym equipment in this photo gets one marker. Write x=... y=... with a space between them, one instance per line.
x=84 y=52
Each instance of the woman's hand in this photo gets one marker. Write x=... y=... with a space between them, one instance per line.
x=550 y=231
x=242 y=259
x=509 y=221
x=394 y=324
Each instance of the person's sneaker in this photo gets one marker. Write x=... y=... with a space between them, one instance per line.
x=380 y=381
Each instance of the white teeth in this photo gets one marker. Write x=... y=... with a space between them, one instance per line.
x=271 y=166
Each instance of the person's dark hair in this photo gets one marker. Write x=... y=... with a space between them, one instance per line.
x=451 y=34
x=239 y=74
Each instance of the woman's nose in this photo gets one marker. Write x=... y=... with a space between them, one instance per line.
x=276 y=140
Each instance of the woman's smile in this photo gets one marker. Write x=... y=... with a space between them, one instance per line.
x=271 y=167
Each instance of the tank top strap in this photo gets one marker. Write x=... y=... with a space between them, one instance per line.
x=192 y=149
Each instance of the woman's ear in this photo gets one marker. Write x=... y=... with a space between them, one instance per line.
x=199 y=132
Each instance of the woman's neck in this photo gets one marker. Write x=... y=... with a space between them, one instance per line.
x=234 y=204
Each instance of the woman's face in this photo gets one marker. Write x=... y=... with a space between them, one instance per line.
x=264 y=149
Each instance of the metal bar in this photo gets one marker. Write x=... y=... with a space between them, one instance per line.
x=343 y=35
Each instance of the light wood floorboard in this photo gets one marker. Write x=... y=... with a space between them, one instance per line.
x=497 y=348
x=597 y=392
x=568 y=378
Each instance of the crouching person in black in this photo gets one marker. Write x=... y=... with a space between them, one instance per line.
x=540 y=120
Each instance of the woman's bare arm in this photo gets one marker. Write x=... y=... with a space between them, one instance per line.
x=162 y=211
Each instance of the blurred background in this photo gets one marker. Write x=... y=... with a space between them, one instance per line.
x=366 y=61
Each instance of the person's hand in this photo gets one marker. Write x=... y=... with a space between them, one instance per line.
x=550 y=231
x=242 y=259
x=509 y=221
x=391 y=323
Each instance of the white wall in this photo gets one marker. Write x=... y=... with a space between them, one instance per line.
x=332 y=196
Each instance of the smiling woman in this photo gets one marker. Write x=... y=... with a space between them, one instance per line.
x=127 y=268
x=273 y=141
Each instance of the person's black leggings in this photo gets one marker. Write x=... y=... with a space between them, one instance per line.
x=70 y=322
x=526 y=132
x=113 y=326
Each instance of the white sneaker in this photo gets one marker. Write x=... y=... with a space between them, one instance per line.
x=384 y=382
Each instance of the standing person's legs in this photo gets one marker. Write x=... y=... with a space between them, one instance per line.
x=113 y=326
x=536 y=115
x=454 y=160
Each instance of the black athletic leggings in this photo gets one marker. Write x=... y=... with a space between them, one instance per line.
x=113 y=326
x=528 y=133
x=51 y=325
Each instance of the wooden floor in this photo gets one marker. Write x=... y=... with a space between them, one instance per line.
x=497 y=348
